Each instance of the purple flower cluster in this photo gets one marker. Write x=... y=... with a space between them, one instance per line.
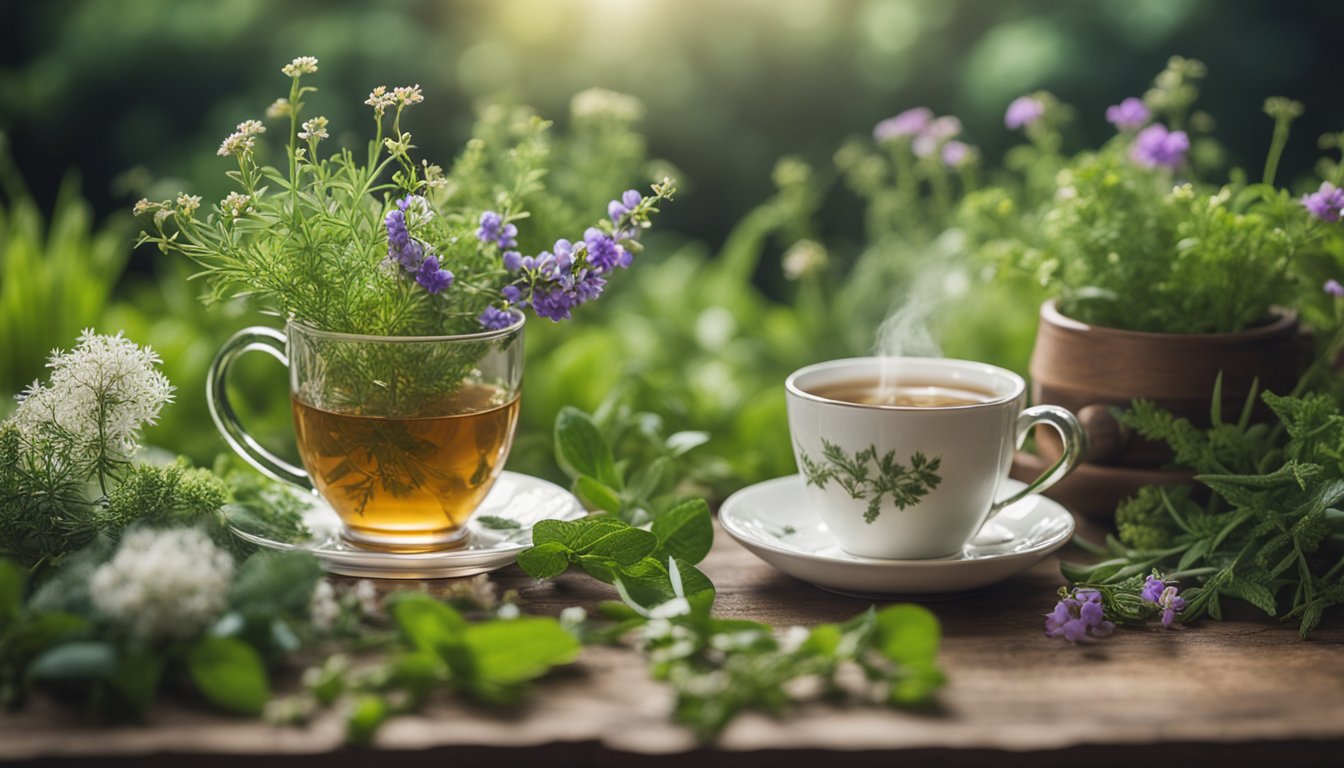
x=1129 y=115
x=1333 y=287
x=927 y=134
x=1024 y=111
x=940 y=130
x=911 y=122
x=1155 y=146
x=410 y=253
x=494 y=230
x=1164 y=596
x=554 y=282
x=1078 y=617
x=1326 y=203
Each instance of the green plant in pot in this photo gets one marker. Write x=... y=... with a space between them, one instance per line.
x=1161 y=282
x=403 y=289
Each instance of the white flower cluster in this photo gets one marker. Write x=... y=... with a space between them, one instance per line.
x=600 y=102
x=314 y=129
x=243 y=140
x=163 y=585
x=236 y=205
x=99 y=396
x=302 y=65
x=401 y=96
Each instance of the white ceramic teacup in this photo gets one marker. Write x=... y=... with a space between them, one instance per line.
x=915 y=481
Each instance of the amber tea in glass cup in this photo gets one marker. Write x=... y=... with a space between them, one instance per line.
x=402 y=435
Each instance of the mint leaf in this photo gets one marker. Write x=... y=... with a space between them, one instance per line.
x=908 y=634
x=686 y=531
x=595 y=494
x=681 y=442
x=624 y=545
x=544 y=561
x=229 y=673
x=426 y=623
x=496 y=523
x=513 y=651
x=581 y=449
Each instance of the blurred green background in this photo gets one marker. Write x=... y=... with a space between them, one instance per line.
x=131 y=98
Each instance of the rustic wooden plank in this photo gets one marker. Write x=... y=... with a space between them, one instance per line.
x=1238 y=688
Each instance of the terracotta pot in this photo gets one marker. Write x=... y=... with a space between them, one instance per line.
x=1092 y=369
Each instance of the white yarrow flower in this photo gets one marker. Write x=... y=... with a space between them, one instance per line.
x=99 y=395
x=380 y=100
x=251 y=128
x=237 y=144
x=600 y=102
x=314 y=129
x=163 y=585
x=303 y=65
x=236 y=205
x=188 y=204
x=407 y=95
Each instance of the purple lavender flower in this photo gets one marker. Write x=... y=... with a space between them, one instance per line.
x=494 y=230
x=1152 y=589
x=908 y=123
x=1024 y=111
x=955 y=153
x=1078 y=617
x=1325 y=203
x=628 y=202
x=564 y=254
x=513 y=261
x=431 y=278
x=1333 y=288
x=1129 y=115
x=512 y=294
x=603 y=252
x=1156 y=146
x=401 y=247
x=495 y=319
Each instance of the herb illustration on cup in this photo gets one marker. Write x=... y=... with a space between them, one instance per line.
x=404 y=289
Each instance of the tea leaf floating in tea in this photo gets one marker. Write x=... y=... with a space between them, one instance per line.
x=905 y=485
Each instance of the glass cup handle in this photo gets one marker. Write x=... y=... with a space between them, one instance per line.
x=1075 y=445
x=272 y=342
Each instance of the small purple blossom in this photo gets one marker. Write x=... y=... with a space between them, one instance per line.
x=1152 y=589
x=603 y=252
x=1333 y=288
x=512 y=294
x=1325 y=203
x=513 y=261
x=1078 y=617
x=431 y=278
x=630 y=199
x=935 y=134
x=1024 y=111
x=1129 y=115
x=1155 y=146
x=401 y=247
x=955 y=153
x=494 y=230
x=911 y=122
x=495 y=319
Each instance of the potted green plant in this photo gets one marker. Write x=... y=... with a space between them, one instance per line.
x=1161 y=283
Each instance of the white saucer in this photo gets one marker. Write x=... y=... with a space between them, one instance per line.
x=519 y=498
x=773 y=520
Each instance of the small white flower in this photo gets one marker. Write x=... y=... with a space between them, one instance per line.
x=367 y=595
x=236 y=205
x=303 y=65
x=804 y=258
x=99 y=396
x=380 y=100
x=314 y=129
x=279 y=108
x=793 y=638
x=573 y=616
x=407 y=95
x=600 y=102
x=188 y=204
x=251 y=128
x=323 y=610
x=163 y=585
x=508 y=611
x=142 y=205
x=236 y=144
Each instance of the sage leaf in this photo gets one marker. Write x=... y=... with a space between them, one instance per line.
x=623 y=545
x=229 y=673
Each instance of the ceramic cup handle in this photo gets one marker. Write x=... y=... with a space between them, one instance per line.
x=262 y=339
x=1070 y=433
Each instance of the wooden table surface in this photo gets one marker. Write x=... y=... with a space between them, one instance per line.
x=1239 y=691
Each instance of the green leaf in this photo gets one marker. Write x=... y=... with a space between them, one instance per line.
x=496 y=523
x=229 y=673
x=686 y=531
x=366 y=716
x=908 y=634
x=41 y=631
x=681 y=442
x=594 y=494
x=601 y=568
x=13 y=577
x=646 y=583
x=581 y=449
x=555 y=531
x=136 y=680
x=426 y=623
x=507 y=652
x=79 y=661
x=624 y=545
x=545 y=561
x=271 y=582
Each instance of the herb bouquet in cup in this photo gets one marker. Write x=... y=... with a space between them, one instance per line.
x=404 y=292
